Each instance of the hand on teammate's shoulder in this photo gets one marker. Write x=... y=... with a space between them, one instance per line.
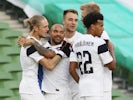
x=66 y=48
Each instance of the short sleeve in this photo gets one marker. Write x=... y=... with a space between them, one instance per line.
x=73 y=57
x=33 y=53
x=106 y=57
x=103 y=52
x=36 y=56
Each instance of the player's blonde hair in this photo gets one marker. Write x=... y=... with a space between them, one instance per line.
x=33 y=21
x=90 y=7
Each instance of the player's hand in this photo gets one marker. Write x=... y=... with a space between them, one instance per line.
x=23 y=41
x=66 y=48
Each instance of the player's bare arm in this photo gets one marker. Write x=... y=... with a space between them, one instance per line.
x=111 y=65
x=44 y=51
x=72 y=70
x=22 y=41
x=50 y=63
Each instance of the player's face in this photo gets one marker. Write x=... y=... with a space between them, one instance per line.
x=99 y=28
x=43 y=28
x=70 y=21
x=57 y=35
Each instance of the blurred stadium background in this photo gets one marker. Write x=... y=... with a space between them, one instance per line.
x=118 y=23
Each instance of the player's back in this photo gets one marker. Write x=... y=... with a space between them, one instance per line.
x=91 y=67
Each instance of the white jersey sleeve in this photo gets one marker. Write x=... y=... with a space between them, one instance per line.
x=73 y=57
x=32 y=53
x=36 y=56
x=104 y=52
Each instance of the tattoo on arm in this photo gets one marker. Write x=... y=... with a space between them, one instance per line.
x=42 y=50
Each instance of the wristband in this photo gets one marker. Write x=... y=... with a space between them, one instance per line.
x=59 y=55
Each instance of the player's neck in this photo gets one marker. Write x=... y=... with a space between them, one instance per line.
x=35 y=35
x=90 y=32
x=69 y=34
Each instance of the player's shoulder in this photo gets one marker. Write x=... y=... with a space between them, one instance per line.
x=85 y=37
x=79 y=33
x=99 y=40
x=47 y=44
x=80 y=37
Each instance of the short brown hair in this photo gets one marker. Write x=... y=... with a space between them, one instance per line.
x=69 y=10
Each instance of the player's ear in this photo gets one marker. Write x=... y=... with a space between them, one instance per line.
x=92 y=26
x=35 y=28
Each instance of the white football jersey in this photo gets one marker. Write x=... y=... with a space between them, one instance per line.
x=29 y=59
x=91 y=53
x=57 y=80
x=73 y=83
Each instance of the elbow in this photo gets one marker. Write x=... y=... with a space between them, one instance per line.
x=112 y=65
x=112 y=68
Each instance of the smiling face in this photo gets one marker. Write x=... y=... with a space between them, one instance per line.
x=56 y=34
x=38 y=26
x=70 y=21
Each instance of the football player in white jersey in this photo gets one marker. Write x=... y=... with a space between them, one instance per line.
x=70 y=21
x=29 y=57
x=55 y=83
x=91 y=53
x=85 y=9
